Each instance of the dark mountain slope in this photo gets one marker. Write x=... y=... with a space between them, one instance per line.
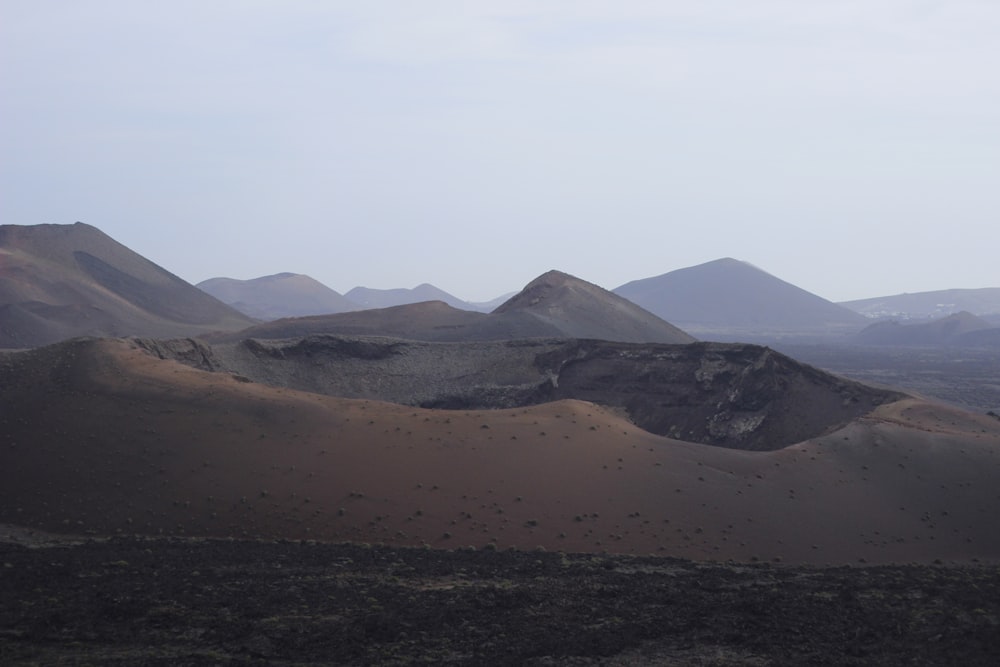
x=60 y=281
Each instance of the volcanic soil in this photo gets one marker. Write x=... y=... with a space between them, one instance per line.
x=170 y=601
x=101 y=438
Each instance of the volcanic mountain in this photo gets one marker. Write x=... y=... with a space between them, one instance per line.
x=574 y=308
x=102 y=437
x=367 y=297
x=277 y=296
x=554 y=305
x=727 y=299
x=61 y=281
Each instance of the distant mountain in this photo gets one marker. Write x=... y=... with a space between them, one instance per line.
x=929 y=305
x=62 y=281
x=367 y=297
x=554 y=305
x=947 y=330
x=728 y=299
x=492 y=304
x=277 y=296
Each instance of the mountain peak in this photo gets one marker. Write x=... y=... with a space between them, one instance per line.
x=579 y=309
x=732 y=298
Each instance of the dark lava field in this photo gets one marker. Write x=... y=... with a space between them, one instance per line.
x=172 y=601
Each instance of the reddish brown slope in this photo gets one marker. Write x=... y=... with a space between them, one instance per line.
x=98 y=436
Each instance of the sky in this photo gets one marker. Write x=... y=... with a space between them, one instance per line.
x=851 y=147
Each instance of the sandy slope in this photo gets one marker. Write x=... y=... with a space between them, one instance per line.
x=99 y=436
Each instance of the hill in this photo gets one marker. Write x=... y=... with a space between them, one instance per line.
x=729 y=395
x=930 y=305
x=727 y=299
x=99 y=436
x=61 y=281
x=574 y=308
x=554 y=305
x=946 y=330
x=368 y=297
x=277 y=296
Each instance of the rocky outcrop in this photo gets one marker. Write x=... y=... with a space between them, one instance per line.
x=730 y=395
x=188 y=351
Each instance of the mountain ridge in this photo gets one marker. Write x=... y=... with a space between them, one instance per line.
x=928 y=305
x=554 y=305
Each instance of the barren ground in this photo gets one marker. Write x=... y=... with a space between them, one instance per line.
x=219 y=602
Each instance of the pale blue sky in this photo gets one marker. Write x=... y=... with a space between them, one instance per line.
x=850 y=147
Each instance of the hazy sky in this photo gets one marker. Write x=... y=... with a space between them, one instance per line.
x=851 y=147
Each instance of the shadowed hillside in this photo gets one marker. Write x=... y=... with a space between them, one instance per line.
x=61 y=281
x=144 y=445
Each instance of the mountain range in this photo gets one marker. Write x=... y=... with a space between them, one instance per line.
x=297 y=295
x=553 y=305
x=61 y=281
x=725 y=299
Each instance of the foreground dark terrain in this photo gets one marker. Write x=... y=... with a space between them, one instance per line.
x=208 y=602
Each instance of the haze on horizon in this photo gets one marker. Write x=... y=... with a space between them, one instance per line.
x=851 y=148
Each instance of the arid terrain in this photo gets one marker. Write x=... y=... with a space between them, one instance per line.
x=150 y=446
x=173 y=601
x=568 y=479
